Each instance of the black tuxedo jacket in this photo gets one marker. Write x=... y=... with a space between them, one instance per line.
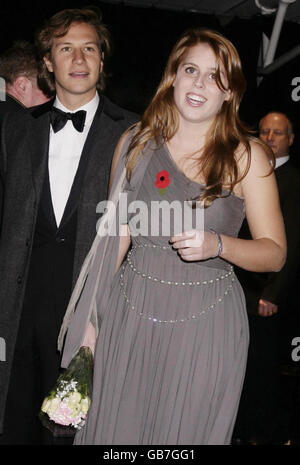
x=277 y=287
x=10 y=105
x=23 y=164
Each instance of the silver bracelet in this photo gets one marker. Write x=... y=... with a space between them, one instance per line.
x=220 y=243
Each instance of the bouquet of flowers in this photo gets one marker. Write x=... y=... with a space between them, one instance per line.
x=65 y=409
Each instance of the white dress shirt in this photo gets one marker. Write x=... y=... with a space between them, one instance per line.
x=281 y=161
x=65 y=148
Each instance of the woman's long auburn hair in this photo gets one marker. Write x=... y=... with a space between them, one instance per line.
x=218 y=164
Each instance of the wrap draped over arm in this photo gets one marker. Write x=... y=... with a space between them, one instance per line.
x=93 y=286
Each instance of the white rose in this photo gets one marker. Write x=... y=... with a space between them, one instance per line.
x=54 y=403
x=85 y=405
x=46 y=404
x=74 y=399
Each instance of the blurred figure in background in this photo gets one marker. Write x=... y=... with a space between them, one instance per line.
x=267 y=295
x=23 y=87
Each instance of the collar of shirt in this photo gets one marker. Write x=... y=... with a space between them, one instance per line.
x=281 y=160
x=90 y=108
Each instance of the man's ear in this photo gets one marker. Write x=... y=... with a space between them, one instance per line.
x=291 y=139
x=21 y=84
x=48 y=63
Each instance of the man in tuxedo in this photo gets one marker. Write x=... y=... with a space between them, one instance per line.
x=20 y=88
x=267 y=295
x=55 y=167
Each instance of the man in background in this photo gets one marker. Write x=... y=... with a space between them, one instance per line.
x=20 y=88
x=267 y=296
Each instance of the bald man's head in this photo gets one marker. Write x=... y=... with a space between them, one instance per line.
x=276 y=130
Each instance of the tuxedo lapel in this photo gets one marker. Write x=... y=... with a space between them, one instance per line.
x=282 y=174
x=282 y=170
x=103 y=139
x=46 y=201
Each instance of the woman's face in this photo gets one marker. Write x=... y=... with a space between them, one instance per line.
x=197 y=97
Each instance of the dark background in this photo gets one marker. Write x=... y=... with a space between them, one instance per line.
x=143 y=38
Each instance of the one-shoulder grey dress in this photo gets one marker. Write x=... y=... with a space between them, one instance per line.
x=172 y=347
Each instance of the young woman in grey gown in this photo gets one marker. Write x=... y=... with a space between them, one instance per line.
x=164 y=313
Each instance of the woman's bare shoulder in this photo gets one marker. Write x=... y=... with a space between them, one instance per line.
x=257 y=159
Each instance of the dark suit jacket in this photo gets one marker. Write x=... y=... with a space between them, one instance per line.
x=24 y=158
x=10 y=105
x=275 y=287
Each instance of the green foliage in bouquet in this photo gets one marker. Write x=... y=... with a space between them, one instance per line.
x=65 y=408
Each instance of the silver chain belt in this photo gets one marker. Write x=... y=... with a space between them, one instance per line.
x=179 y=320
x=174 y=283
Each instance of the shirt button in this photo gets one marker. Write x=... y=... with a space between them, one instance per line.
x=19 y=280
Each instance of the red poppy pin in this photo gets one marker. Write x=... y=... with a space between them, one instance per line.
x=162 y=181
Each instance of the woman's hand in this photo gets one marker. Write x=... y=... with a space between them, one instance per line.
x=195 y=245
x=90 y=338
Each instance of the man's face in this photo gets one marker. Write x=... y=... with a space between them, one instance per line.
x=76 y=62
x=275 y=131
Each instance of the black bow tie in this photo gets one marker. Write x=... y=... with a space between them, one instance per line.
x=59 y=119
